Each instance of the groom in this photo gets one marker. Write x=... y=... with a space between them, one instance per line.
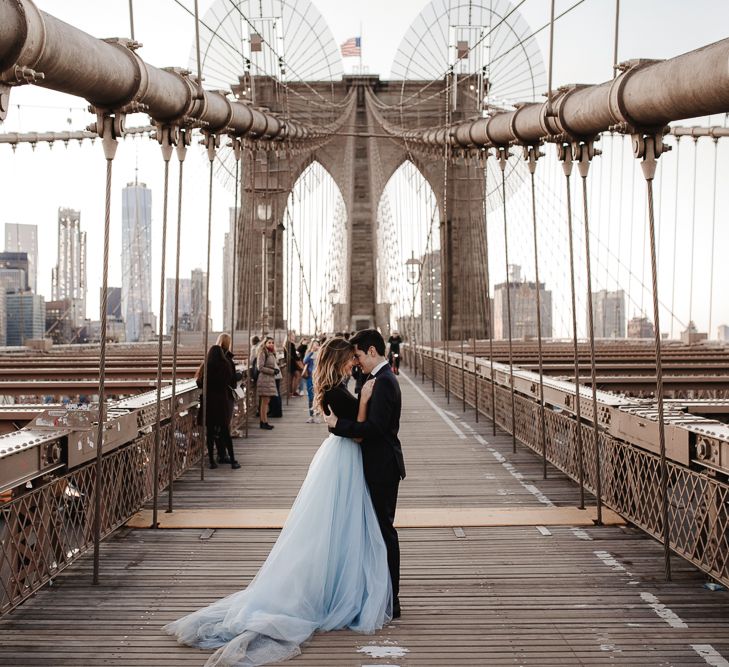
x=381 y=452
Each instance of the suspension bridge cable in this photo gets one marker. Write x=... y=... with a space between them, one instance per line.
x=565 y=155
x=584 y=165
x=166 y=139
x=181 y=148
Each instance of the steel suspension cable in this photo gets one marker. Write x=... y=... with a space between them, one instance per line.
x=693 y=236
x=503 y=156
x=247 y=276
x=167 y=140
x=236 y=145
x=532 y=155
x=675 y=235
x=565 y=155
x=181 y=148
x=713 y=235
x=584 y=166
x=211 y=145
x=445 y=280
x=107 y=133
x=490 y=321
x=649 y=149
x=131 y=19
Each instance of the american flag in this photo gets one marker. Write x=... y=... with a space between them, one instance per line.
x=352 y=48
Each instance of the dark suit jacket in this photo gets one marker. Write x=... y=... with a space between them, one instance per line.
x=381 y=448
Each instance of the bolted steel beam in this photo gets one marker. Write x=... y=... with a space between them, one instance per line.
x=38 y=48
x=647 y=95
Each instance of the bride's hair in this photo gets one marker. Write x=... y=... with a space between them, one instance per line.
x=328 y=372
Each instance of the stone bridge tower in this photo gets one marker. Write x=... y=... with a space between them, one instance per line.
x=361 y=159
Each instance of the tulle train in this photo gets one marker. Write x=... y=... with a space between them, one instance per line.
x=327 y=570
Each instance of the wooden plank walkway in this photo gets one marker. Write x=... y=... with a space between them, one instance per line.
x=508 y=595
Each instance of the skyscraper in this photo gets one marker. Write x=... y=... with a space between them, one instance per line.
x=14 y=271
x=197 y=299
x=136 y=255
x=523 y=297
x=640 y=327
x=608 y=310
x=228 y=251
x=113 y=303
x=24 y=238
x=184 y=308
x=25 y=317
x=69 y=276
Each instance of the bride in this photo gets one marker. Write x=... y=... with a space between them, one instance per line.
x=328 y=568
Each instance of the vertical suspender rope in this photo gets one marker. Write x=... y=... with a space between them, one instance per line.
x=675 y=236
x=713 y=236
x=108 y=128
x=617 y=35
x=532 y=154
x=584 y=152
x=551 y=60
x=211 y=141
x=290 y=284
x=565 y=155
x=649 y=148
x=131 y=19
x=236 y=218
x=248 y=273
x=445 y=278
x=166 y=137
x=503 y=156
x=693 y=236
x=264 y=261
x=490 y=321
x=475 y=291
x=181 y=148
x=197 y=48
x=461 y=314
x=274 y=242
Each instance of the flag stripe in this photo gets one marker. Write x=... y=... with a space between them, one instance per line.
x=352 y=47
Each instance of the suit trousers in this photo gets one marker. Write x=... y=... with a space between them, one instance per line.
x=383 y=492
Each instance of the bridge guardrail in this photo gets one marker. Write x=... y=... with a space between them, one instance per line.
x=630 y=473
x=47 y=511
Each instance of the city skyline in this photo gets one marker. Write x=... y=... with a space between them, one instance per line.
x=41 y=109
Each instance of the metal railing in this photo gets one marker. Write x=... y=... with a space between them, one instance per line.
x=630 y=475
x=47 y=524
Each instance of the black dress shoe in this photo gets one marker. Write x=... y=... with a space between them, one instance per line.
x=396 y=613
x=235 y=465
x=212 y=465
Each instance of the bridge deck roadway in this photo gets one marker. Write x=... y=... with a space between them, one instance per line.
x=472 y=595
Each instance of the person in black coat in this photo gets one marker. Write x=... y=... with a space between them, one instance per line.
x=382 y=457
x=218 y=401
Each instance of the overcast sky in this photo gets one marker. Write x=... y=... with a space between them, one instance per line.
x=35 y=184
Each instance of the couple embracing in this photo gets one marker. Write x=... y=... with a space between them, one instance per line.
x=336 y=562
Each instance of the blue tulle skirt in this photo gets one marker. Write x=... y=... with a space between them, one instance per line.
x=327 y=571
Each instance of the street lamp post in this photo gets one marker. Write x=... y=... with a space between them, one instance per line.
x=412 y=270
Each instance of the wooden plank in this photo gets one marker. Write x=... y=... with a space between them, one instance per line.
x=422 y=517
x=496 y=595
